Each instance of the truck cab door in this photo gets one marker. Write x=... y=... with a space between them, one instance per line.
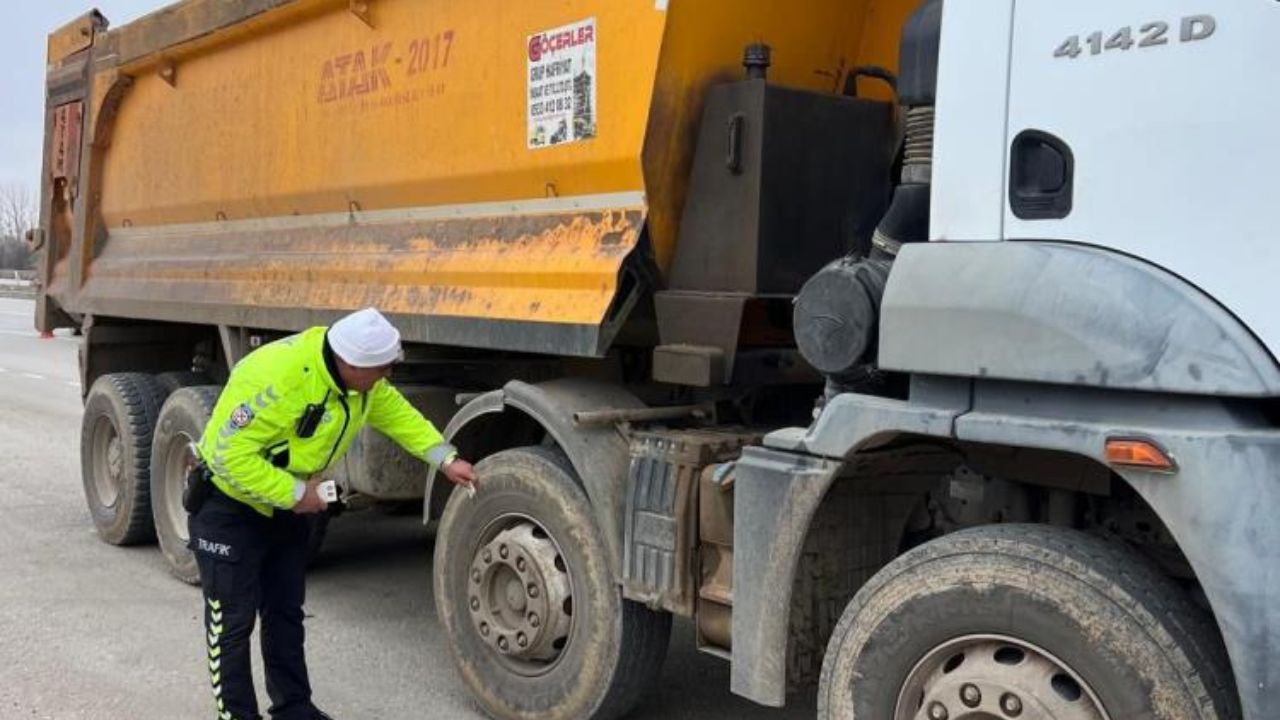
x=1146 y=127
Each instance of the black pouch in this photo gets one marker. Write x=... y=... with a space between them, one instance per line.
x=196 y=488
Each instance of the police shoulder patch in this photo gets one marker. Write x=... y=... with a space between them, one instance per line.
x=242 y=416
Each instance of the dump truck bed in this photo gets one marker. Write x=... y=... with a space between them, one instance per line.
x=479 y=169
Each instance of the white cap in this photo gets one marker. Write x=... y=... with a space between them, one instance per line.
x=365 y=339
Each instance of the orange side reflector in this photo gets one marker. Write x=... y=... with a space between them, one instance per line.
x=1131 y=452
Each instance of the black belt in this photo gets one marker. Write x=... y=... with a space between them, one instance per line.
x=200 y=489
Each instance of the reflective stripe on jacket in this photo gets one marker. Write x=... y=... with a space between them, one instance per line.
x=251 y=443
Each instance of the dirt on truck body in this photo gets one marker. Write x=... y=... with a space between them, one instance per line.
x=736 y=304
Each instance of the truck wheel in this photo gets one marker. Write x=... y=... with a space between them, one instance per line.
x=115 y=455
x=182 y=422
x=1024 y=622
x=536 y=624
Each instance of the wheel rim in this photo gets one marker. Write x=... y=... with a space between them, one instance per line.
x=108 y=462
x=991 y=677
x=520 y=595
x=178 y=460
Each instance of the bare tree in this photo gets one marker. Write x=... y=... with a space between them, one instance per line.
x=17 y=216
x=17 y=210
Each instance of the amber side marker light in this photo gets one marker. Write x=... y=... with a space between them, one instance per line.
x=1139 y=453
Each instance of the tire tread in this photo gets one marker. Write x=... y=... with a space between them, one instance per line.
x=641 y=634
x=205 y=397
x=1185 y=634
x=645 y=633
x=140 y=396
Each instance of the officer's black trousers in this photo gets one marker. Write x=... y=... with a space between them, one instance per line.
x=250 y=566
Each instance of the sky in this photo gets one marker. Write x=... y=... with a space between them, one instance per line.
x=23 y=37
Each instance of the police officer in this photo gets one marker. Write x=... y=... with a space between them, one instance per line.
x=289 y=411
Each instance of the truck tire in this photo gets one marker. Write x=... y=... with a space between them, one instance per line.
x=120 y=415
x=182 y=421
x=1025 y=621
x=537 y=627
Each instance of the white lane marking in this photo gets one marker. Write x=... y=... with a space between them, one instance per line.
x=33 y=376
x=34 y=335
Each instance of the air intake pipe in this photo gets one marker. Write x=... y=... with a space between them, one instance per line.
x=837 y=312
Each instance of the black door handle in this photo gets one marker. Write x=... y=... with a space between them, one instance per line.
x=733 y=156
x=1041 y=176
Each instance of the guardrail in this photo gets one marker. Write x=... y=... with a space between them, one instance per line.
x=14 y=288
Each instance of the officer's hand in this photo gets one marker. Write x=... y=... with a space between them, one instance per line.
x=311 y=502
x=460 y=472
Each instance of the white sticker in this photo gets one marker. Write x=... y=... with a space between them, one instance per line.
x=562 y=85
x=660 y=5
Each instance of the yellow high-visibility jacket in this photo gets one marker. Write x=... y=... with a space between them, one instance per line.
x=251 y=443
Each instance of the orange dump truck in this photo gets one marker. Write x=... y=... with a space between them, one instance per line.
x=625 y=241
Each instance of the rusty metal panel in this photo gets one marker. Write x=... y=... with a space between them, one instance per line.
x=68 y=123
x=188 y=22
x=517 y=282
x=76 y=36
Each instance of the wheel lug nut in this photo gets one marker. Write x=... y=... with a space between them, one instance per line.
x=503 y=645
x=487 y=556
x=503 y=552
x=475 y=575
x=1011 y=705
x=522 y=640
x=484 y=629
x=533 y=620
x=533 y=590
x=521 y=564
x=475 y=604
x=970 y=695
x=937 y=712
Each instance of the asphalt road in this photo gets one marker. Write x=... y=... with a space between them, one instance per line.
x=89 y=631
